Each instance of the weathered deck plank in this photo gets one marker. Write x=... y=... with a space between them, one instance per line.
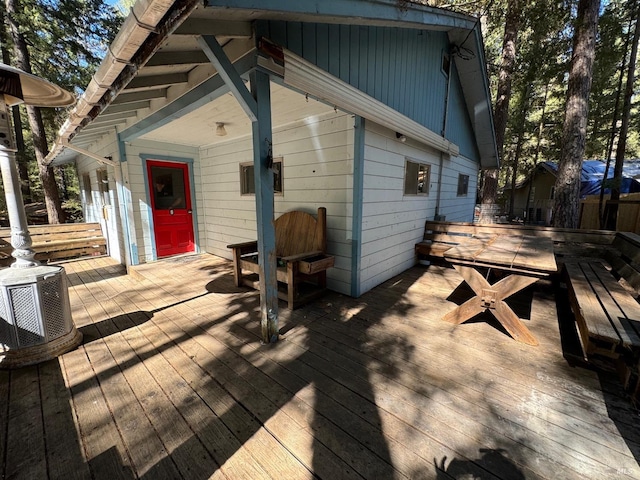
x=171 y=382
x=64 y=456
x=25 y=454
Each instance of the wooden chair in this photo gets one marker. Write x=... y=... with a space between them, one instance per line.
x=301 y=242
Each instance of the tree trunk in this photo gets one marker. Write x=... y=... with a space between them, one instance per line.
x=514 y=168
x=501 y=113
x=490 y=186
x=612 y=216
x=574 y=133
x=52 y=200
x=21 y=158
x=612 y=137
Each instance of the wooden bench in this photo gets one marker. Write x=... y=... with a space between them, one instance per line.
x=58 y=242
x=608 y=317
x=439 y=236
x=602 y=273
x=301 y=243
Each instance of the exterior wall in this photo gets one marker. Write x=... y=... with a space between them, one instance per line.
x=140 y=210
x=95 y=209
x=399 y=67
x=543 y=183
x=458 y=128
x=458 y=208
x=394 y=222
x=317 y=157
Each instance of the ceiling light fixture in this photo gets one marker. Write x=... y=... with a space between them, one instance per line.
x=401 y=137
x=220 y=130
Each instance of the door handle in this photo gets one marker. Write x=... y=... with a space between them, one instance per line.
x=171 y=211
x=189 y=211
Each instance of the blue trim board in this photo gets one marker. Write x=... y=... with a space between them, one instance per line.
x=145 y=157
x=225 y=69
x=152 y=232
x=358 y=197
x=194 y=210
x=262 y=159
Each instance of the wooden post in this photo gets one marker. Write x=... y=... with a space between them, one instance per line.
x=262 y=161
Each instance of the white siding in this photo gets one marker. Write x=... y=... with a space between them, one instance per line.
x=392 y=223
x=95 y=210
x=317 y=172
x=453 y=207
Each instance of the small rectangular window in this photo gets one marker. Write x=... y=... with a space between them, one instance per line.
x=86 y=188
x=463 y=185
x=416 y=178
x=247 y=178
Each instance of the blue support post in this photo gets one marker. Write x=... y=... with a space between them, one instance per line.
x=358 y=196
x=262 y=160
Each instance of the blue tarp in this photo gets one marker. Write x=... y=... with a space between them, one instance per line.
x=593 y=173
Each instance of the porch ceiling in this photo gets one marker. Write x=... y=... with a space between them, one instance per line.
x=198 y=127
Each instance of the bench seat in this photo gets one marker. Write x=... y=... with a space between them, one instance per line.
x=608 y=317
x=58 y=242
x=439 y=236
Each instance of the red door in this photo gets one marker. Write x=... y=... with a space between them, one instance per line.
x=171 y=207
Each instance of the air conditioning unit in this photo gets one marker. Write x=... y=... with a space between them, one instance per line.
x=35 y=316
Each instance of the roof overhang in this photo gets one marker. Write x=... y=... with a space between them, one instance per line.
x=470 y=63
x=352 y=12
x=155 y=61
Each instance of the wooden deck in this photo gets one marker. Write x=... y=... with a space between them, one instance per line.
x=172 y=382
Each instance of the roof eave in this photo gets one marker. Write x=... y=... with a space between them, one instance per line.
x=372 y=12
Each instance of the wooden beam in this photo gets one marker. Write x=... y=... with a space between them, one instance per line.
x=263 y=175
x=108 y=115
x=98 y=125
x=185 y=57
x=204 y=93
x=126 y=107
x=133 y=97
x=232 y=79
x=206 y=26
x=151 y=81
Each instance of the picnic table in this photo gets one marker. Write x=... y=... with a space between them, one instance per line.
x=523 y=260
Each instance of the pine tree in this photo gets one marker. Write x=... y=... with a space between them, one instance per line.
x=63 y=42
x=624 y=128
x=574 y=134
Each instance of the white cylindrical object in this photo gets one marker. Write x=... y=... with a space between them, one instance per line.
x=20 y=238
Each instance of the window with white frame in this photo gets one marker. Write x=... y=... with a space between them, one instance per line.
x=463 y=185
x=416 y=177
x=247 y=178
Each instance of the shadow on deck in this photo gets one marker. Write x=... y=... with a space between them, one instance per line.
x=172 y=382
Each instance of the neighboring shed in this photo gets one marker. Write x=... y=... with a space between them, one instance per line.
x=534 y=196
x=204 y=122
